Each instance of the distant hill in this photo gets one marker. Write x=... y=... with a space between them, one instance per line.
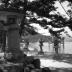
x=35 y=38
x=68 y=39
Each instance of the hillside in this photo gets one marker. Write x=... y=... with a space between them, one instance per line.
x=35 y=38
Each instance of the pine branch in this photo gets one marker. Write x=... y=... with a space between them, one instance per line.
x=63 y=8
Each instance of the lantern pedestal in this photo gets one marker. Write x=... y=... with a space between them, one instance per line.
x=10 y=21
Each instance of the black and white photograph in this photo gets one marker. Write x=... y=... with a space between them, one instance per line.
x=35 y=36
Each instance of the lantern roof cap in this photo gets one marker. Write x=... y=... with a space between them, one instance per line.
x=6 y=12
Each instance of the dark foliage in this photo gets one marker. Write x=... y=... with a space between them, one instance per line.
x=42 y=8
x=69 y=0
x=58 y=21
x=56 y=33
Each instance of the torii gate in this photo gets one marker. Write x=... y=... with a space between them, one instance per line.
x=56 y=39
x=60 y=42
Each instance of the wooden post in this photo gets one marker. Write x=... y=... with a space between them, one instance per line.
x=53 y=43
x=63 y=45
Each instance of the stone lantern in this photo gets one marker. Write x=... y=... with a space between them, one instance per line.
x=11 y=27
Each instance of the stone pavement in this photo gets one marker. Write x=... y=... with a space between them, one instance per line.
x=57 y=63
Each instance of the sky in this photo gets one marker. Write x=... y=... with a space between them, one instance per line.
x=67 y=31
